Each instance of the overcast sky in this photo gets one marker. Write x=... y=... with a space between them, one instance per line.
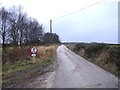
x=98 y=23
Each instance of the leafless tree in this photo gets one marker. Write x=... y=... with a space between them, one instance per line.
x=35 y=34
x=17 y=28
x=4 y=23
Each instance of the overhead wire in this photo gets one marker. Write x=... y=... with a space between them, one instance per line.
x=77 y=11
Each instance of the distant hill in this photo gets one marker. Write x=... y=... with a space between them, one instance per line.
x=51 y=38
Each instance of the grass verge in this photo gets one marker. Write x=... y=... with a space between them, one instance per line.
x=20 y=72
x=104 y=55
x=23 y=71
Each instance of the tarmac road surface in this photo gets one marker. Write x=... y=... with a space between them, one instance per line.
x=75 y=72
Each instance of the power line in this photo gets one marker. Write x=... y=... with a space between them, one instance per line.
x=78 y=10
x=72 y=13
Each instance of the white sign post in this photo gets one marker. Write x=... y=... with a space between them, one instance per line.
x=33 y=52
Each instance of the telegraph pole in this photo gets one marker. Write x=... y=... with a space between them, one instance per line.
x=50 y=26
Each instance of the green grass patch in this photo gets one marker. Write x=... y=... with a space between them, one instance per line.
x=18 y=66
x=18 y=72
x=23 y=65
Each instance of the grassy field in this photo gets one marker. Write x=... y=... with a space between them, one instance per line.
x=23 y=69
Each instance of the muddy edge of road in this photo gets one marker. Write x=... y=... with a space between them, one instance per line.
x=32 y=78
x=47 y=79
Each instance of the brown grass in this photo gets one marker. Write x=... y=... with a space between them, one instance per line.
x=45 y=58
x=103 y=55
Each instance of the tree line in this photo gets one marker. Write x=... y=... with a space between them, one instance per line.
x=19 y=29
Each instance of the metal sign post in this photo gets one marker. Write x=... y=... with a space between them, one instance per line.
x=33 y=53
x=33 y=57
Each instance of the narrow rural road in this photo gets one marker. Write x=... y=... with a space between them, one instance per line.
x=75 y=72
